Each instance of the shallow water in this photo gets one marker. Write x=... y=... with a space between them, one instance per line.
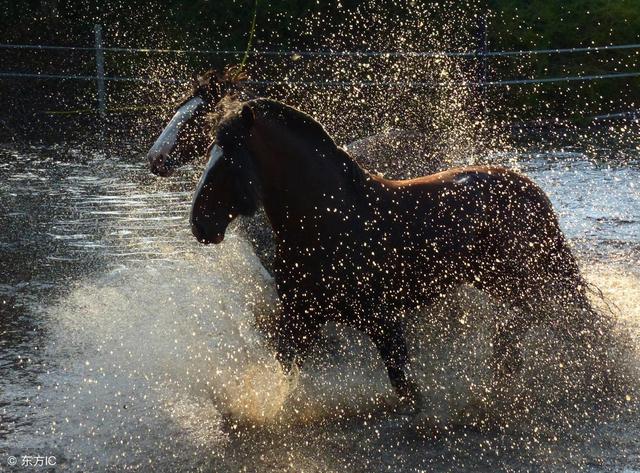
x=125 y=345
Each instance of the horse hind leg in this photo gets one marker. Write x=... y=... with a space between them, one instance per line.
x=550 y=291
x=389 y=339
x=506 y=342
x=588 y=329
x=534 y=292
x=515 y=293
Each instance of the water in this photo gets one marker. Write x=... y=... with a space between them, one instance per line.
x=125 y=345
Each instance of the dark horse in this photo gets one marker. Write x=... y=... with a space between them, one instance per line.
x=363 y=250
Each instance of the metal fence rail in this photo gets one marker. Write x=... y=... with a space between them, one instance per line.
x=101 y=78
x=35 y=75
x=333 y=83
x=436 y=54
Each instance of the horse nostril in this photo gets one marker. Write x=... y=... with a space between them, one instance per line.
x=197 y=232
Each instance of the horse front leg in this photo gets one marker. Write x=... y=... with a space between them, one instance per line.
x=293 y=338
x=390 y=342
x=506 y=341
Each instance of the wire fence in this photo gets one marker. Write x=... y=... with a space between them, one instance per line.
x=332 y=83
x=100 y=77
x=470 y=54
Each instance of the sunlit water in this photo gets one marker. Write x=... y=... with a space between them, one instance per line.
x=125 y=345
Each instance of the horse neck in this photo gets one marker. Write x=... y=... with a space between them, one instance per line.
x=301 y=181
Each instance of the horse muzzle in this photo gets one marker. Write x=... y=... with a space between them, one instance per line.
x=160 y=164
x=203 y=236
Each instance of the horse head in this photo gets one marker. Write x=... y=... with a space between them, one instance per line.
x=299 y=155
x=229 y=185
x=185 y=135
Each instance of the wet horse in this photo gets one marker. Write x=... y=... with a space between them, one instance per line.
x=362 y=250
x=186 y=136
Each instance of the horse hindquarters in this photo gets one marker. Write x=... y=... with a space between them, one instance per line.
x=539 y=278
x=531 y=269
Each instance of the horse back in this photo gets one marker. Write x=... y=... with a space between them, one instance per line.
x=474 y=212
x=483 y=189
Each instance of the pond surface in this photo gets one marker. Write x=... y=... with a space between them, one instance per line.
x=126 y=345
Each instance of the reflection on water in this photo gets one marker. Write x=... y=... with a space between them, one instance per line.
x=598 y=202
x=124 y=343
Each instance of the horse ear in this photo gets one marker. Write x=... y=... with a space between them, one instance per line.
x=248 y=115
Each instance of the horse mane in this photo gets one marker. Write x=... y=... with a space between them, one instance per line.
x=297 y=121
x=229 y=82
x=220 y=90
x=214 y=86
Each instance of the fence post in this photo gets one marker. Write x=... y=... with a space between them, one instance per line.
x=482 y=47
x=481 y=76
x=102 y=101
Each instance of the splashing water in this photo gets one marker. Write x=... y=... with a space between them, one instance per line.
x=156 y=363
x=131 y=347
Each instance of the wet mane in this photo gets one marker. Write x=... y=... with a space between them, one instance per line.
x=214 y=86
x=294 y=120
x=229 y=81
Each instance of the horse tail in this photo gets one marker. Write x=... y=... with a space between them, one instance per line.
x=588 y=317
